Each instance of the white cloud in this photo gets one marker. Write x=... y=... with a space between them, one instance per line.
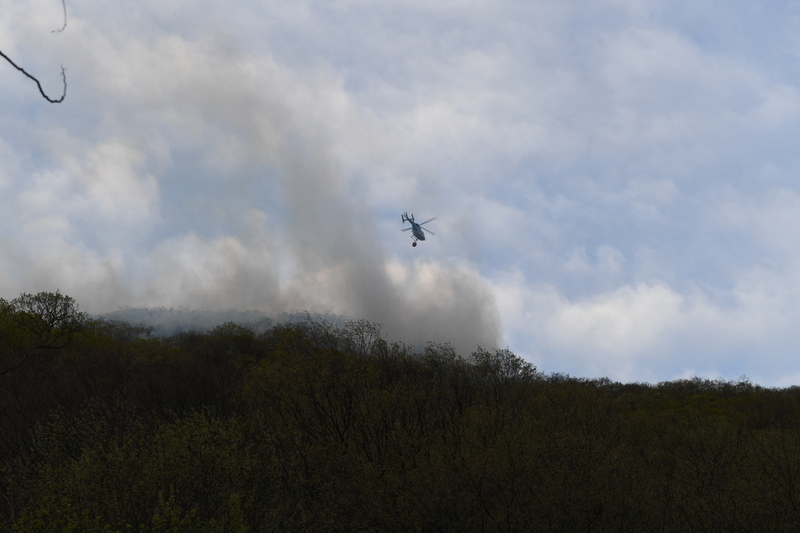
x=615 y=334
x=769 y=220
x=650 y=331
x=619 y=323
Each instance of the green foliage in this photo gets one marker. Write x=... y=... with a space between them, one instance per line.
x=233 y=341
x=181 y=476
x=313 y=427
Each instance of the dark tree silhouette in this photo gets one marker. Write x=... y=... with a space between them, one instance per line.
x=48 y=320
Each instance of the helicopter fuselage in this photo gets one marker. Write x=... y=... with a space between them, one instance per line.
x=417 y=232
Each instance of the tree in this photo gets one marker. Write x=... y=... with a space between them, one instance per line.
x=35 y=322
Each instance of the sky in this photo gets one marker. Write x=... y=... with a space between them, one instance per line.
x=615 y=182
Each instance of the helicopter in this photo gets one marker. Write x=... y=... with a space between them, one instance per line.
x=417 y=232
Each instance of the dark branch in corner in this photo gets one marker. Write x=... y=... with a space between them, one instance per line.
x=64 y=5
x=63 y=76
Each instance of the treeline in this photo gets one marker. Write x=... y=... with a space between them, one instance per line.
x=311 y=427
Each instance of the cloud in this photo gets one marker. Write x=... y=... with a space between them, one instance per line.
x=653 y=332
x=619 y=334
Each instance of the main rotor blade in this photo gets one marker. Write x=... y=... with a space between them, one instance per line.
x=421 y=223
x=406 y=229
x=426 y=230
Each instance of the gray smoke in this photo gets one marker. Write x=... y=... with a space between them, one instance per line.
x=212 y=179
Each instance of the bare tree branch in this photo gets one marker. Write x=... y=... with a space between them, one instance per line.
x=63 y=76
x=64 y=5
x=63 y=72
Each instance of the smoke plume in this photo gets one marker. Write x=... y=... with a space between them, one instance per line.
x=208 y=178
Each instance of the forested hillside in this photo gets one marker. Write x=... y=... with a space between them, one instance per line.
x=311 y=427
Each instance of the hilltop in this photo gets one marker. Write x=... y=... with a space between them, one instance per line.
x=316 y=426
